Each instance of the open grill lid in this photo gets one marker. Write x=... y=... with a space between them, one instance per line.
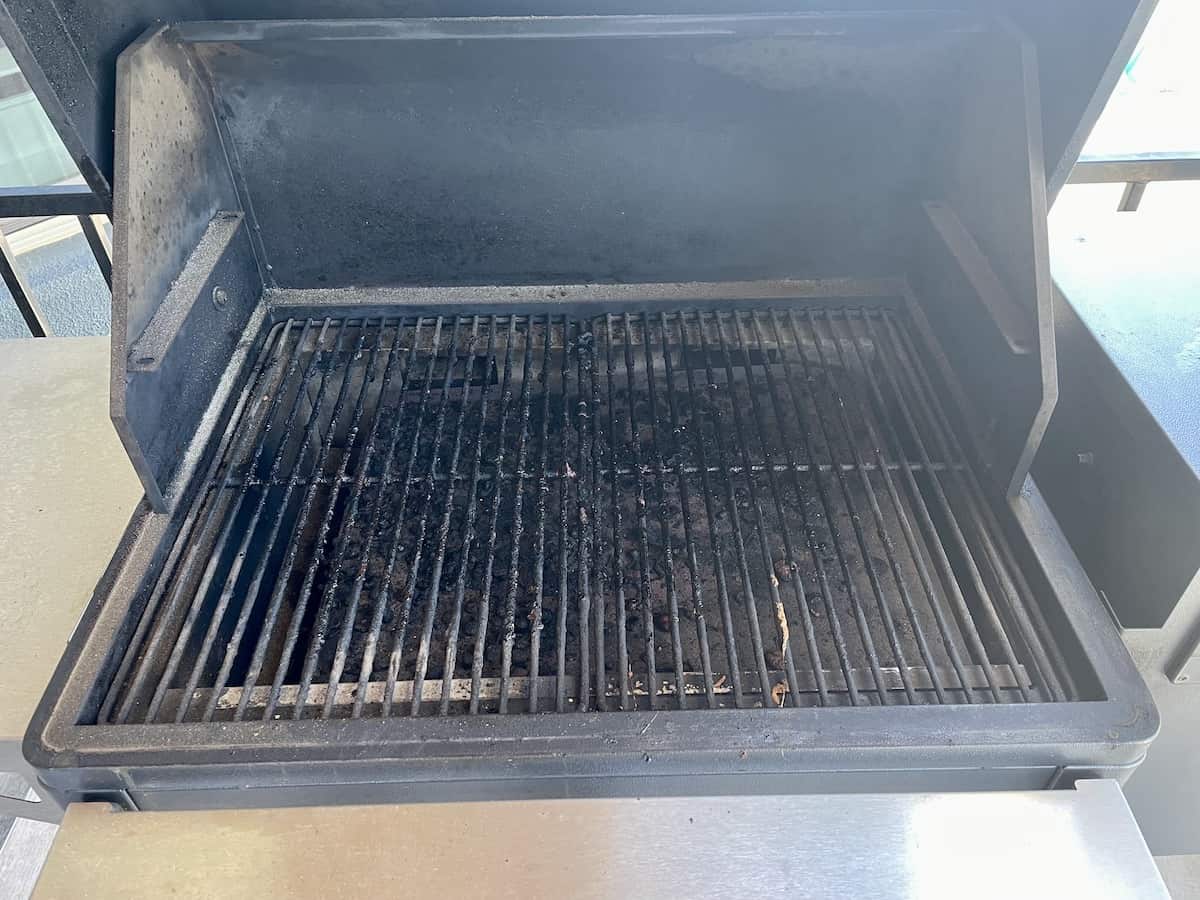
x=70 y=49
x=566 y=144
x=423 y=162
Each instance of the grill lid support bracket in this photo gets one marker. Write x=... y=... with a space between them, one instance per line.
x=179 y=234
x=980 y=281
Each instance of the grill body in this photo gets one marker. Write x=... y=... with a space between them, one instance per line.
x=428 y=519
x=859 y=516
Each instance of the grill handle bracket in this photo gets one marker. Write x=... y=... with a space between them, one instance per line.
x=199 y=278
x=1011 y=320
x=981 y=267
x=179 y=234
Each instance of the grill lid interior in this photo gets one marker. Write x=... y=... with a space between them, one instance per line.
x=303 y=163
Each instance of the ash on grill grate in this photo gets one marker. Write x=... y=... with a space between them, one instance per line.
x=532 y=512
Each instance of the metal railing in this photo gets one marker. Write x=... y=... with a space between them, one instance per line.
x=1135 y=171
x=55 y=200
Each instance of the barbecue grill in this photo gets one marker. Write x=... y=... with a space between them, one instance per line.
x=584 y=405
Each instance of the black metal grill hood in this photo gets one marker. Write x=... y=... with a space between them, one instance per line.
x=288 y=161
x=1081 y=46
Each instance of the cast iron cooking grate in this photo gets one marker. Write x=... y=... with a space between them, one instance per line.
x=523 y=513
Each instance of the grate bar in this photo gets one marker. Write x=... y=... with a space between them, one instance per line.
x=484 y=606
x=539 y=562
x=615 y=573
x=585 y=539
x=645 y=597
x=513 y=514
x=664 y=515
x=510 y=599
x=565 y=473
x=595 y=544
x=693 y=562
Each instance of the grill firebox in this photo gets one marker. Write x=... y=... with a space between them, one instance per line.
x=660 y=424
x=521 y=513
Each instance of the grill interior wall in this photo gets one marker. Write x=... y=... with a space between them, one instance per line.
x=518 y=513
